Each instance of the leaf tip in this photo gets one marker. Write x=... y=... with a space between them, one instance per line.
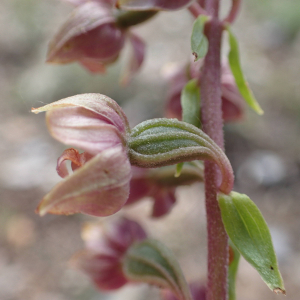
x=196 y=56
x=35 y=110
x=260 y=111
x=40 y=210
x=279 y=291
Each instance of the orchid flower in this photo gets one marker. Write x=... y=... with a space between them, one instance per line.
x=232 y=101
x=100 y=182
x=93 y=36
x=105 y=247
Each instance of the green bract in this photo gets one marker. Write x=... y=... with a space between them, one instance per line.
x=234 y=259
x=190 y=103
x=199 y=42
x=235 y=66
x=151 y=262
x=161 y=142
x=250 y=234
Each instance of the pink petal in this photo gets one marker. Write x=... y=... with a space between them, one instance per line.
x=105 y=271
x=122 y=234
x=89 y=32
x=233 y=103
x=106 y=246
x=93 y=65
x=136 y=58
x=164 y=200
x=82 y=129
x=153 y=4
x=98 y=188
x=140 y=186
x=92 y=122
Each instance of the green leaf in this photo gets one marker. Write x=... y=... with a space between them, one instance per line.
x=199 y=42
x=190 y=103
x=235 y=66
x=178 y=169
x=151 y=262
x=250 y=234
x=234 y=258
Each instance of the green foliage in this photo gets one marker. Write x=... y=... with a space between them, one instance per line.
x=199 y=42
x=234 y=259
x=235 y=65
x=151 y=262
x=190 y=103
x=250 y=234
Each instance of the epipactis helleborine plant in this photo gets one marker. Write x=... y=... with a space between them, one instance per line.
x=100 y=182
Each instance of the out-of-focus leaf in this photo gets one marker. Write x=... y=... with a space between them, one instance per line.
x=151 y=262
x=153 y=4
x=199 y=42
x=190 y=103
x=178 y=169
x=250 y=234
x=234 y=62
x=234 y=258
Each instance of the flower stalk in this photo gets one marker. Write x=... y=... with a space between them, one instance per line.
x=213 y=125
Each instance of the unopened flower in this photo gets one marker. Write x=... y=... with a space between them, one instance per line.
x=160 y=185
x=106 y=246
x=232 y=102
x=92 y=36
x=198 y=292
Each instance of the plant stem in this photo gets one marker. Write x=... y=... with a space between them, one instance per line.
x=213 y=126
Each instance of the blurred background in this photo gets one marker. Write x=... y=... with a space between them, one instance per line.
x=264 y=151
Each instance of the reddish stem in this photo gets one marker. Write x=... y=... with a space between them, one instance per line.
x=213 y=125
x=233 y=11
x=196 y=10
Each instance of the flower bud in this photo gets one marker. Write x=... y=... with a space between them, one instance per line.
x=94 y=36
x=106 y=246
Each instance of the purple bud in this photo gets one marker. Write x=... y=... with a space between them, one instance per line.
x=89 y=36
x=106 y=246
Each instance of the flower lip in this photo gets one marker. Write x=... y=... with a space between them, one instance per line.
x=100 y=187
